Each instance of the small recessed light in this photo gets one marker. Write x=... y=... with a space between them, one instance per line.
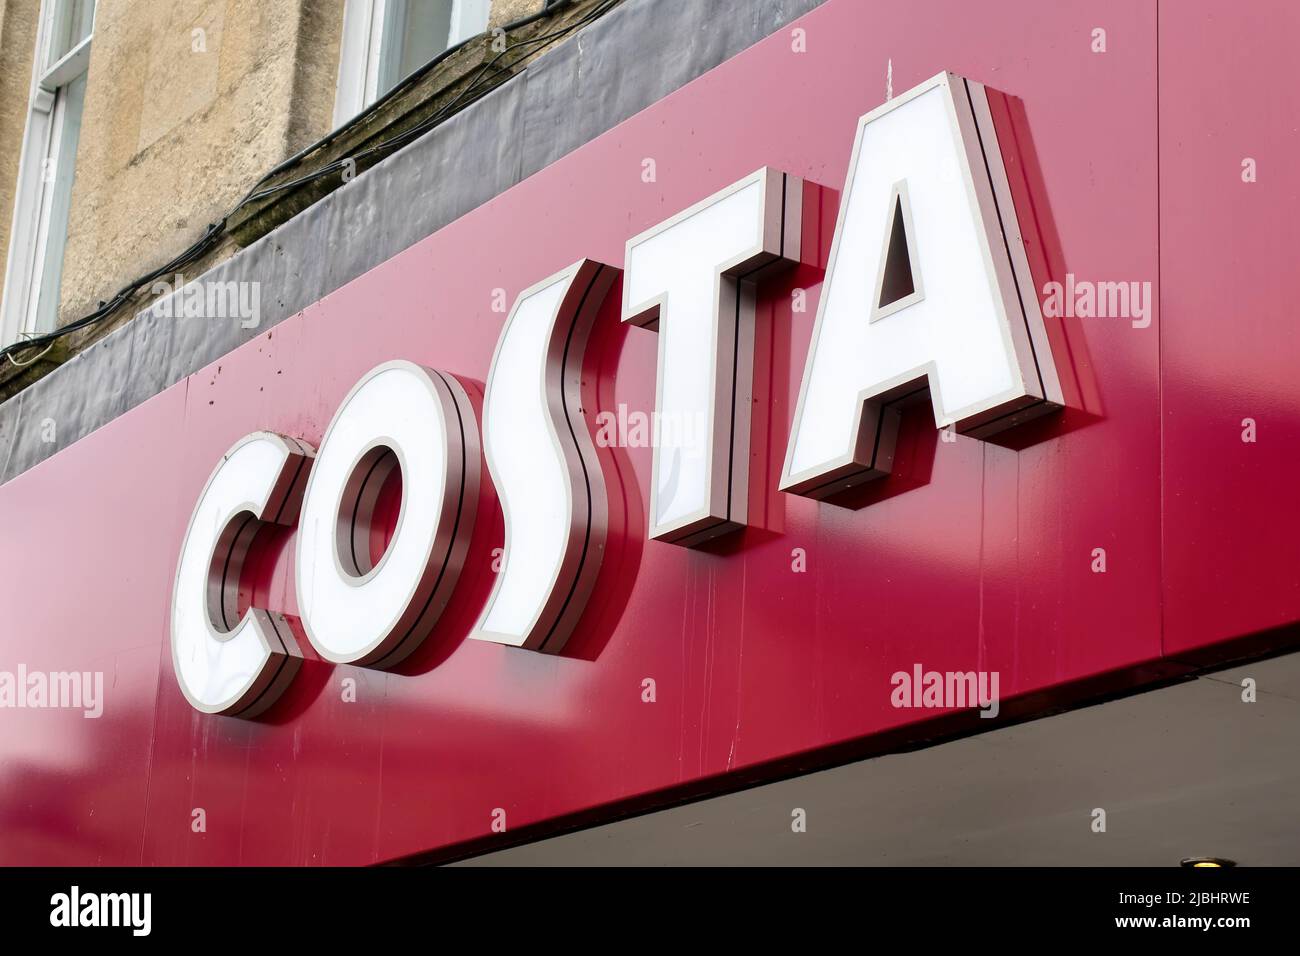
x=1208 y=862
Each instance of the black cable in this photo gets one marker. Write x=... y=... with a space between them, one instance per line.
x=215 y=230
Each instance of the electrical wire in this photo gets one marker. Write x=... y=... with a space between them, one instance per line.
x=31 y=361
x=215 y=230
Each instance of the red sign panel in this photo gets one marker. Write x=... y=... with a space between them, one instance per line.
x=1056 y=555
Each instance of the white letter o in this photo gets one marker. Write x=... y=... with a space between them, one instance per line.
x=400 y=415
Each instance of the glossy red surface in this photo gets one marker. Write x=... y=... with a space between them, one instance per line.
x=1231 y=350
x=973 y=555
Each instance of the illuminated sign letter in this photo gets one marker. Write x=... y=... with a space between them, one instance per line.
x=927 y=283
x=226 y=663
x=692 y=278
x=400 y=416
x=543 y=462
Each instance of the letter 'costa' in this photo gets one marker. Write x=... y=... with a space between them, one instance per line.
x=927 y=289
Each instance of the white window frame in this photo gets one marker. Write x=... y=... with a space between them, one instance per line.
x=362 y=53
x=30 y=235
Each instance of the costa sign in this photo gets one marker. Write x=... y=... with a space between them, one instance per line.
x=927 y=287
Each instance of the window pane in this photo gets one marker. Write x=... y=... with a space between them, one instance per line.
x=65 y=168
x=72 y=22
x=468 y=18
x=415 y=31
